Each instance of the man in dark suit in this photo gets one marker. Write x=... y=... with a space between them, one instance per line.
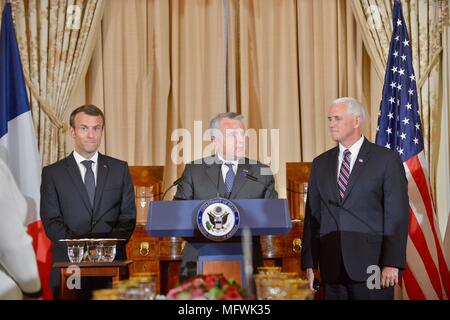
x=87 y=194
x=357 y=212
x=225 y=174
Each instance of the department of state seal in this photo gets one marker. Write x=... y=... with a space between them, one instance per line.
x=218 y=219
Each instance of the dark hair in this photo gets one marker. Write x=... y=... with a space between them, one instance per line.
x=90 y=110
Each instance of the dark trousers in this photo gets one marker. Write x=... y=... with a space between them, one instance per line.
x=345 y=288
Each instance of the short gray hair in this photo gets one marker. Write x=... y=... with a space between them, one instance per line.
x=214 y=123
x=353 y=106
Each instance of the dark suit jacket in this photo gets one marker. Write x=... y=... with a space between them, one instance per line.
x=368 y=227
x=66 y=211
x=202 y=180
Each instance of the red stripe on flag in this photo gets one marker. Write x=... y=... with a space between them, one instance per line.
x=411 y=285
x=418 y=238
x=419 y=177
x=42 y=247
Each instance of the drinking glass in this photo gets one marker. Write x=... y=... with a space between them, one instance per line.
x=75 y=252
x=109 y=252
x=95 y=252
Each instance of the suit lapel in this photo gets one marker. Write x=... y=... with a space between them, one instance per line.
x=102 y=174
x=333 y=166
x=74 y=173
x=214 y=173
x=361 y=160
x=239 y=180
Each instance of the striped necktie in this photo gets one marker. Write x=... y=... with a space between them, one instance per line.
x=229 y=178
x=344 y=174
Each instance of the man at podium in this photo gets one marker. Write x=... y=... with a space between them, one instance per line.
x=227 y=174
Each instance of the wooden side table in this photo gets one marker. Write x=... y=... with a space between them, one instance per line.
x=117 y=270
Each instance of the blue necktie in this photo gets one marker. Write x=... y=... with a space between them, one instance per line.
x=89 y=180
x=344 y=174
x=229 y=179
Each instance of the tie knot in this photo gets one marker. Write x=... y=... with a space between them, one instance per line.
x=347 y=153
x=87 y=163
x=229 y=165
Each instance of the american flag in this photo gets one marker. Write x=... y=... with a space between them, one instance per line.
x=399 y=128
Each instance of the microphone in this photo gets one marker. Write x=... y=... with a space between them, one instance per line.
x=247 y=174
x=251 y=177
x=175 y=183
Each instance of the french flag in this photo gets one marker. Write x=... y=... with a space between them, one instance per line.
x=18 y=147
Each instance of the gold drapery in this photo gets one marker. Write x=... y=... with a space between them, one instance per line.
x=55 y=53
x=443 y=163
x=185 y=61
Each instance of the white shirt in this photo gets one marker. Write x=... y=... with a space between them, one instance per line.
x=354 y=151
x=79 y=159
x=225 y=168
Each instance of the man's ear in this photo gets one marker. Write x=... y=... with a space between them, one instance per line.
x=358 y=122
x=72 y=131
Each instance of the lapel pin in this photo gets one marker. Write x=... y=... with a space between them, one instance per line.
x=360 y=160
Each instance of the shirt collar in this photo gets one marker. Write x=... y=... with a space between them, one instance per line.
x=354 y=149
x=79 y=158
x=234 y=162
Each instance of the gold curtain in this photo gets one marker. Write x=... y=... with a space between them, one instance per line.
x=162 y=72
x=185 y=61
x=2 y=5
x=55 y=52
x=267 y=83
x=333 y=63
x=443 y=165
x=426 y=20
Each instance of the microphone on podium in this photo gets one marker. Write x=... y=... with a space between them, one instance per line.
x=175 y=183
x=251 y=177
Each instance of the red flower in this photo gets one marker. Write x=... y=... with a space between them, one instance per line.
x=232 y=293
x=208 y=286
x=211 y=281
x=198 y=282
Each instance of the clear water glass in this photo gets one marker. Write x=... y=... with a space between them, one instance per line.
x=109 y=252
x=75 y=252
x=95 y=252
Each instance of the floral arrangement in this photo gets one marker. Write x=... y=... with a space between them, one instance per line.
x=207 y=287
